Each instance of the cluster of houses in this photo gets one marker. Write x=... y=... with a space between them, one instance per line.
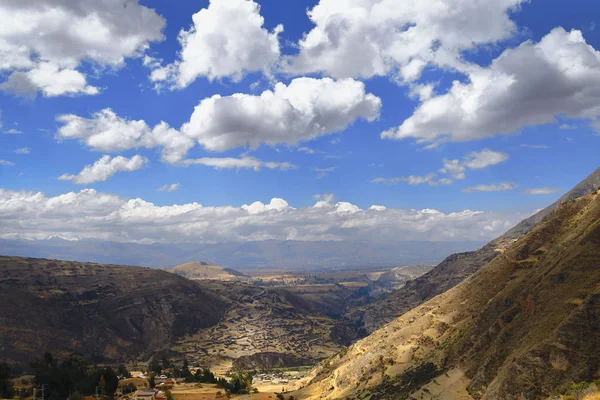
x=275 y=379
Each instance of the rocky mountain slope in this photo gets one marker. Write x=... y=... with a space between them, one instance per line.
x=523 y=325
x=198 y=271
x=264 y=325
x=119 y=313
x=103 y=311
x=456 y=267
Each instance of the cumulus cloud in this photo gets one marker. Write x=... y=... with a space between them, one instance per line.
x=13 y=131
x=104 y=168
x=366 y=38
x=483 y=159
x=456 y=169
x=91 y=214
x=529 y=85
x=501 y=187
x=50 y=79
x=541 y=191
x=107 y=132
x=7 y=163
x=227 y=39
x=303 y=110
x=23 y=150
x=245 y=162
x=169 y=188
x=43 y=43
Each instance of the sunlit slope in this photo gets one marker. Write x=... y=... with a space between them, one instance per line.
x=455 y=268
x=198 y=271
x=522 y=325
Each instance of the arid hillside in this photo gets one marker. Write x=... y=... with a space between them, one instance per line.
x=103 y=311
x=455 y=268
x=271 y=326
x=521 y=327
x=199 y=271
x=119 y=313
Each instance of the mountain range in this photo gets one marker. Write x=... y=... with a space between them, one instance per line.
x=520 y=327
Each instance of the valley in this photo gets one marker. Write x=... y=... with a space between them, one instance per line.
x=517 y=318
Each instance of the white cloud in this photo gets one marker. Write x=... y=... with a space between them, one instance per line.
x=169 y=188
x=107 y=132
x=90 y=214
x=456 y=169
x=411 y=180
x=44 y=44
x=568 y=127
x=323 y=172
x=227 y=39
x=23 y=150
x=305 y=109
x=483 y=159
x=535 y=146
x=50 y=79
x=244 y=162
x=7 y=163
x=13 y=132
x=366 y=38
x=306 y=150
x=529 y=85
x=104 y=168
x=501 y=187
x=541 y=191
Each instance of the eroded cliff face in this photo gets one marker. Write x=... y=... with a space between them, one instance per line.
x=522 y=325
x=106 y=312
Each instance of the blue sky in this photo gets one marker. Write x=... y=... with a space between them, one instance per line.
x=346 y=162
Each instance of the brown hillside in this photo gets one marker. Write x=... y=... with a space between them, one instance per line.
x=456 y=267
x=524 y=324
x=198 y=271
x=105 y=311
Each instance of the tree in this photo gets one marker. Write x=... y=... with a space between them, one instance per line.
x=155 y=367
x=122 y=371
x=6 y=385
x=102 y=385
x=186 y=373
x=152 y=381
x=203 y=375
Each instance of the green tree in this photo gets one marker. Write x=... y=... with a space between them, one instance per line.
x=152 y=381
x=102 y=385
x=122 y=370
x=185 y=372
x=6 y=385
